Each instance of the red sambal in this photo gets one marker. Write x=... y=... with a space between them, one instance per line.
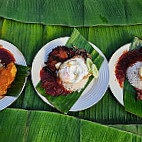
x=51 y=84
x=126 y=60
x=6 y=56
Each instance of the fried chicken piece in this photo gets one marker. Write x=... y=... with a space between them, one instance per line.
x=59 y=54
x=82 y=52
x=51 y=63
x=63 y=53
x=7 y=76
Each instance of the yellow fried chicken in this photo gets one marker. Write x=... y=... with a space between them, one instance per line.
x=7 y=76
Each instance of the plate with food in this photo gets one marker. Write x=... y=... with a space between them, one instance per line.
x=70 y=73
x=126 y=75
x=115 y=82
x=13 y=73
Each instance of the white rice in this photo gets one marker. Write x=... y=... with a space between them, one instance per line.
x=132 y=75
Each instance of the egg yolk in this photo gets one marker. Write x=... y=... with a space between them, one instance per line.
x=140 y=72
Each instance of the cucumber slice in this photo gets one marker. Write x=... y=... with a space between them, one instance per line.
x=95 y=71
x=89 y=64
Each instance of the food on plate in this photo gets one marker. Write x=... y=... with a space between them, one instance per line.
x=128 y=65
x=74 y=73
x=51 y=83
x=67 y=70
x=59 y=54
x=133 y=75
x=140 y=72
x=89 y=64
x=8 y=70
x=6 y=56
x=7 y=76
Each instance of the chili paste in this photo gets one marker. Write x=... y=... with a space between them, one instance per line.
x=126 y=60
x=6 y=56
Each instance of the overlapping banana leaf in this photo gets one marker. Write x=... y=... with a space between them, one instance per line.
x=34 y=126
x=133 y=128
x=64 y=103
x=17 y=85
x=73 y=12
x=29 y=38
x=130 y=97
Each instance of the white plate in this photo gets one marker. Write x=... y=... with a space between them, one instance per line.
x=92 y=94
x=20 y=60
x=113 y=83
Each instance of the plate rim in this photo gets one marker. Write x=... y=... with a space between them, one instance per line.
x=67 y=37
x=110 y=86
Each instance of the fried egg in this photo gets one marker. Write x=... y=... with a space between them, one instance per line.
x=74 y=73
x=134 y=75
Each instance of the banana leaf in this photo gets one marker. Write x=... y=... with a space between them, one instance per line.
x=17 y=85
x=133 y=128
x=95 y=133
x=136 y=44
x=130 y=100
x=64 y=103
x=29 y=38
x=34 y=126
x=73 y=12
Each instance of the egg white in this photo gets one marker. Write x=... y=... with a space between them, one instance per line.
x=74 y=73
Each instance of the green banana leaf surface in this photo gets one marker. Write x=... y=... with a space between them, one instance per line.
x=73 y=12
x=133 y=128
x=64 y=103
x=34 y=126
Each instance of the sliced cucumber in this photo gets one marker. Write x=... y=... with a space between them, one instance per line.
x=95 y=71
x=89 y=64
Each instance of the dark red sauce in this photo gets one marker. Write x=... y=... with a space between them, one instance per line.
x=51 y=83
x=6 y=56
x=126 y=60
